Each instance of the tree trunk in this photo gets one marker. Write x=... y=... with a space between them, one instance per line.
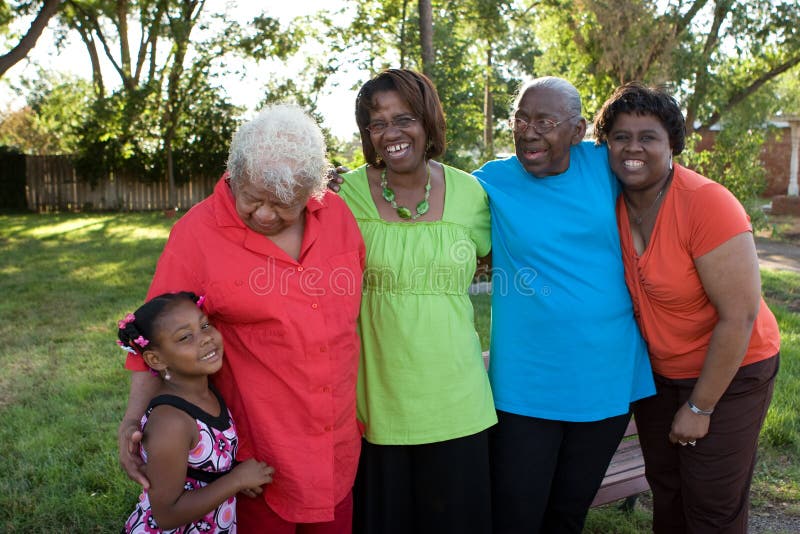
x=28 y=41
x=91 y=48
x=181 y=29
x=702 y=77
x=426 y=36
x=403 y=36
x=488 y=107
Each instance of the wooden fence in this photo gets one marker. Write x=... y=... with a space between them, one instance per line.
x=51 y=184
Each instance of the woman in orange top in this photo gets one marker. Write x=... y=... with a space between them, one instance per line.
x=692 y=270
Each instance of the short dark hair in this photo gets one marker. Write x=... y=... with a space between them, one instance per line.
x=420 y=94
x=638 y=99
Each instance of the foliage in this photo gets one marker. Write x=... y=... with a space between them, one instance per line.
x=204 y=133
x=714 y=53
x=109 y=142
x=748 y=43
x=733 y=160
x=787 y=92
x=269 y=40
x=465 y=34
x=57 y=105
x=164 y=119
x=346 y=153
x=6 y=16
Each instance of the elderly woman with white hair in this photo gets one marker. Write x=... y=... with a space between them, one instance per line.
x=279 y=260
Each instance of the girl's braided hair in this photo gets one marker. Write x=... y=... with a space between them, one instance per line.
x=137 y=330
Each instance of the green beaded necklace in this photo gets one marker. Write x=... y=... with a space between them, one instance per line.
x=402 y=211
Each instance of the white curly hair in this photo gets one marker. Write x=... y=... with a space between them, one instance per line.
x=572 y=97
x=284 y=148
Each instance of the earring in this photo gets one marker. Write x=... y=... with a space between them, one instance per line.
x=670 y=162
x=167 y=376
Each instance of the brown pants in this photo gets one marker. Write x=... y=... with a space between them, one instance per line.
x=705 y=488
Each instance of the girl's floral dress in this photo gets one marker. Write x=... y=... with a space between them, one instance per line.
x=213 y=457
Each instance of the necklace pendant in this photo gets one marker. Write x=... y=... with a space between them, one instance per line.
x=403 y=212
x=388 y=194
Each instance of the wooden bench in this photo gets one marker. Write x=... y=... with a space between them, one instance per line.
x=625 y=474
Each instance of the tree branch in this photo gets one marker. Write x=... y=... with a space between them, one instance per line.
x=744 y=92
x=721 y=11
x=28 y=41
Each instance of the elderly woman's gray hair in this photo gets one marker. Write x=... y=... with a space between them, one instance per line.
x=283 y=148
x=571 y=95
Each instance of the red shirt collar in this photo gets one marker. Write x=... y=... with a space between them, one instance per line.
x=226 y=216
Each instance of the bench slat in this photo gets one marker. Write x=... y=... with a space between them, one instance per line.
x=625 y=474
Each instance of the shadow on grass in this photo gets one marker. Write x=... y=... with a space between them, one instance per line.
x=65 y=281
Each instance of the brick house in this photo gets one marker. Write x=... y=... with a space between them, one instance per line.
x=775 y=156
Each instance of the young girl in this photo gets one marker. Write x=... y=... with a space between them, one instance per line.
x=174 y=337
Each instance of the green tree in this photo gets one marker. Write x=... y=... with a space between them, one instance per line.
x=164 y=91
x=714 y=53
x=718 y=57
x=733 y=160
x=57 y=105
x=467 y=36
x=787 y=92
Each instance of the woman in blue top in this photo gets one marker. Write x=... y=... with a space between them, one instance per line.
x=567 y=358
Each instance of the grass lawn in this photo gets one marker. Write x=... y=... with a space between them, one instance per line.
x=65 y=281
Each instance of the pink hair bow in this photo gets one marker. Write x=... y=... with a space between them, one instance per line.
x=126 y=321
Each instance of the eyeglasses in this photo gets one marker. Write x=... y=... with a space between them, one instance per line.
x=377 y=127
x=540 y=126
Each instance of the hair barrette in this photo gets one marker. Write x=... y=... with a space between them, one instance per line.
x=200 y=301
x=141 y=341
x=126 y=348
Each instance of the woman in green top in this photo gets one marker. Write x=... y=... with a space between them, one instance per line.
x=423 y=393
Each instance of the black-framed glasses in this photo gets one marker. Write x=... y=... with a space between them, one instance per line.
x=377 y=127
x=540 y=126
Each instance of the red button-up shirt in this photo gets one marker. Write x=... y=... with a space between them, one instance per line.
x=291 y=347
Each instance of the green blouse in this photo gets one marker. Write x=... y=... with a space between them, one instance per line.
x=421 y=376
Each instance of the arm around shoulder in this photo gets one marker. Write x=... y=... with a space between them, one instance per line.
x=143 y=388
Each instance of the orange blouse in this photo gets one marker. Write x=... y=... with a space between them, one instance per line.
x=670 y=304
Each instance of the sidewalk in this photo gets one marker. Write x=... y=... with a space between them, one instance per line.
x=778 y=255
